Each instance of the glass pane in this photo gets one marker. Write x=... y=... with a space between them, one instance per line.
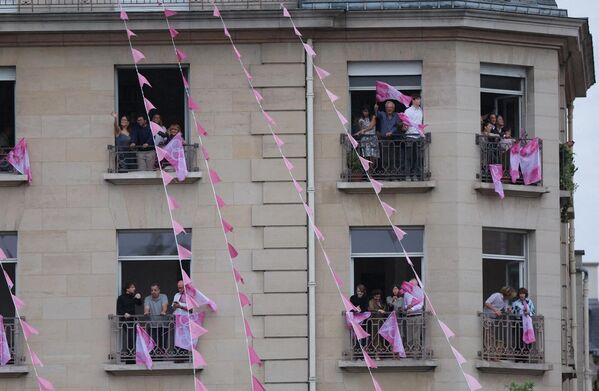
x=498 y=273
x=503 y=243
x=384 y=273
x=365 y=240
x=8 y=244
x=501 y=83
x=150 y=242
x=6 y=307
x=395 y=81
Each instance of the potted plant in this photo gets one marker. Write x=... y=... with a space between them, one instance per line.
x=528 y=386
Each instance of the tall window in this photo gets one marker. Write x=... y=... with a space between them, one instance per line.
x=406 y=76
x=8 y=243
x=378 y=261
x=7 y=107
x=504 y=260
x=502 y=91
x=150 y=256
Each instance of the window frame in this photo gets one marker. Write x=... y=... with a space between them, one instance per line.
x=9 y=73
x=15 y=261
x=521 y=259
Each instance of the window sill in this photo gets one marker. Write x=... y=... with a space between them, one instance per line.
x=13 y=180
x=511 y=367
x=529 y=191
x=160 y=368
x=388 y=187
x=146 y=178
x=11 y=371
x=404 y=365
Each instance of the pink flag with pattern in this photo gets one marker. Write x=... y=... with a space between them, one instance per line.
x=515 y=162
x=530 y=162
x=4 y=348
x=390 y=331
x=19 y=158
x=528 y=331
x=354 y=319
x=496 y=174
x=385 y=92
x=183 y=337
x=144 y=344
x=175 y=154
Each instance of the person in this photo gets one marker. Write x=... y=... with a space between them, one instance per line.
x=395 y=301
x=506 y=139
x=156 y=306
x=122 y=140
x=143 y=141
x=523 y=305
x=414 y=322
x=6 y=144
x=414 y=138
x=375 y=304
x=377 y=307
x=369 y=143
x=388 y=120
x=493 y=121
x=179 y=302
x=160 y=137
x=487 y=131
x=125 y=309
x=498 y=303
x=172 y=132
x=500 y=125
x=360 y=300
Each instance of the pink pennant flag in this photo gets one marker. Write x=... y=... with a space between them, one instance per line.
x=20 y=304
x=309 y=50
x=369 y=361
x=297 y=186
x=143 y=81
x=35 y=360
x=237 y=54
x=286 y=13
x=347 y=304
x=205 y=153
x=322 y=74
x=317 y=232
x=144 y=344
x=458 y=356
x=496 y=171
x=296 y=31
x=137 y=55
x=385 y=92
x=389 y=210
x=200 y=129
x=166 y=178
x=155 y=128
x=238 y=276
x=399 y=232
x=226 y=226
x=268 y=118
x=365 y=163
x=160 y=153
x=28 y=330
x=181 y=55
x=473 y=384
x=248 y=329
x=183 y=253
x=377 y=386
x=376 y=185
x=288 y=164
x=173 y=33
x=226 y=32
x=185 y=82
x=341 y=117
x=214 y=176
x=338 y=279
x=178 y=227
x=199 y=386
x=254 y=358
x=352 y=140
x=389 y=330
x=421 y=128
x=186 y=279
x=19 y=159
x=309 y=210
x=232 y=252
x=2 y=255
x=131 y=34
x=258 y=95
x=219 y=201
x=279 y=141
x=248 y=75
x=168 y=13
x=354 y=319
x=256 y=385
x=124 y=15
x=446 y=330
x=192 y=104
x=332 y=96
x=198 y=359
x=172 y=202
x=8 y=280
x=215 y=11
x=4 y=348
x=148 y=105
x=45 y=384
x=244 y=300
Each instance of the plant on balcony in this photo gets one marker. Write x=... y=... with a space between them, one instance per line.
x=528 y=386
x=567 y=168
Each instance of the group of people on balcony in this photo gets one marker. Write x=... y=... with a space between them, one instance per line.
x=400 y=301
x=493 y=130
x=135 y=143
x=509 y=302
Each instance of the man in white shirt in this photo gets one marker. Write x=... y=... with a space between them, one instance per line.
x=159 y=139
x=179 y=301
x=413 y=306
x=414 y=138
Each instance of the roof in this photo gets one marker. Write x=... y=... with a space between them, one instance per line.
x=594 y=326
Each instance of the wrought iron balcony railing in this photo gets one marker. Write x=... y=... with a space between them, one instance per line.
x=498 y=152
x=502 y=339
x=5 y=166
x=414 y=335
x=14 y=337
x=160 y=328
x=395 y=159
x=121 y=160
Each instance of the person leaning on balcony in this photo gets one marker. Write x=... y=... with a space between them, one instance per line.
x=395 y=301
x=388 y=120
x=360 y=300
x=122 y=140
x=369 y=143
x=499 y=302
x=377 y=307
x=155 y=306
x=143 y=140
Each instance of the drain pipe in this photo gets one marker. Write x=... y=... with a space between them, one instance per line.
x=588 y=384
x=311 y=242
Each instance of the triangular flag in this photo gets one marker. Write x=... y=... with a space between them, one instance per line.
x=168 y=13
x=288 y=164
x=322 y=74
x=226 y=226
x=446 y=330
x=232 y=252
x=338 y=279
x=309 y=50
x=173 y=32
x=399 y=232
x=258 y=96
x=352 y=140
x=181 y=55
x=377 y=386
x=214 y=176
x=172 y=203
x=28 y=330
x=237 y=54
x=198 y=359
x=256 y=385
x=186 y=279
x=200 y=129
x=185 y=82
x=309 y=210
x=296 y=31
x=183 y=252
x=254 y=358
x=160 y=153
x=341 y=117
x=131 y=34
x=226 y=32
x=365 y=163
x=124 y=15
x=137 y=55
x=205 y=152
x=45 y=384
x=317 y=232
x=192 y=104
x=248 y=75
x=2 y=255
x=286 y=13
x=376 y=185
x=20 y=304
x=155 y=128
x=389 y=210
x=178 y=227
x=347 y=304
x=199 y=386
x=238 y=276
x=279 y=141
x=244 y=300
x=148 y=105
x=215 y=11
x=219 y=201
x=473 y=384
x=8 y=280
x=298 y=187
x=166 y=178
x=332 y=96
x=458 y=356
x=35 y=360
x=142 y=80
x=268 y=118
x=248 y=329
x=369 y=361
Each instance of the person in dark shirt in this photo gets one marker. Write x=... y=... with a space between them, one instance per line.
x=125 y=304
x=143 y=141
x=360 y=300
x=125 y=308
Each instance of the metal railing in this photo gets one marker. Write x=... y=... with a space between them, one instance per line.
x=14 y=337
x=121 y=160
x=399 y=159
x=498 y=152
x=161 y=328
x=502 y=339
x=5 y=166
x=414 y=335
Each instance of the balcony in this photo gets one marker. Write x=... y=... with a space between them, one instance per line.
x=503 y=350
x=168 y=359
x=16 y=366
x=123 y=168
x=492 y=152
x=8 y=175
x=403 y=166
x=414 y=330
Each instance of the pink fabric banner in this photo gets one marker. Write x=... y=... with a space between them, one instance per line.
x=192 y=104
x=472 y=383
x=130 y=34
x=338 y=279
x=167 y=178
x=175 y=155
x=244 y=300
x=216 y=12
x=286 y=13
x=515 y=162
x=19 y=159
x=446 y=330
x=390 y=331
x=256 y=385
x=232 y=251
x=172 y=203
x=168 y=13
x=181 y=55
x=173 y=33
x=198 y=359
x=144 y=344
x=248 y=329
x=20 y=304
x=376 y=185
x=530 y=162
x=368 y=360
x=377 y=386
x=185 y=82
x=332 y=96
x=199 y=386
x=288 y=164
x=278 y=140
x=268 y=118
x=309 y=50
x=238 y=276
x=297 y=186
x=183 y=253
x=389 y=210
x=248 y=75
x=123 y=15
x=317 y=232
x=155 y=128
x=226 y=32
x=385 y=92
x=349 y=307
x=201 y=130
x=199 y=299
x=7 y=278
x=352 y=140
x=226 y=226
x=2 y=255
x=365 y=163
x=220 y=202
x=354 y=319
x=258 y=96
x=177 y=227
x=214 y=176
x=4 y=348
x=341 y=117
x=528 y=331
x=496 y=171
x=458 y=356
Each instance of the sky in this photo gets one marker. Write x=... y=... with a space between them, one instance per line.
x=586 y=156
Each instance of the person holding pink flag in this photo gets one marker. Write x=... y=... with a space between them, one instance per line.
x=524 y=308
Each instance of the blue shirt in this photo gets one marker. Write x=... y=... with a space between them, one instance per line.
x=518 y=307
x=141 y=136
x=388 y=125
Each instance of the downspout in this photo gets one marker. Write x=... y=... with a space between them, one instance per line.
x=588 y=385
x=311 y=243
x=572 y=258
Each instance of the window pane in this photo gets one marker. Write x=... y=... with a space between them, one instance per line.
x=384 y=273
x=395 y=81
x=7 y=114
x=6 y=307
x=150 y=242
x=8 y=244
x=364 y=240
x=501 y=83
x=499 y=273
x=503 y=243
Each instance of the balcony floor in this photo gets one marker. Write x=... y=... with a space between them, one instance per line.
x=511 y=367
x=160 y=368
x=392 y=365
x=388 y=187
x=146 y=177
x=529 y=191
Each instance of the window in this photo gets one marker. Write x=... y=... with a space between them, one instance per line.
x=8 y=243
x=404 y=75
x=504 y=260
x=502 y=91
x=167 y=94
x=378 y=261
x=7 y=108
x=150 y=256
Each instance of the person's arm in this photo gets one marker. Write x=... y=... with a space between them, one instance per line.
x=164 y=305
x=531 y=308
x=372 y=124
x=492 y=308
x=138 y=299
x=119 y=306
x=134 y=137
x=116 y=124
x=146 y=306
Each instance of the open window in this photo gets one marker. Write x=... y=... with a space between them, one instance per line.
x=7 y=108
x=8 y=243
x=378 y=260
x=504 y=260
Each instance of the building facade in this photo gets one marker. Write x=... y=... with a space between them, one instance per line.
x=86 y=225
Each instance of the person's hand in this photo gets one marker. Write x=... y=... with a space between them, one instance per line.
x=508 y=309
x=497 y=312
x=114 y=115
x=525 y=311
x=388 y=134
x=132 y=145
x=163 y=313
x=382 y=311
x=376 y=107
x=137 y=296
x=146 y=313
x=127 y=315
x=359 y=309
x=176 y=305
x=145 y=145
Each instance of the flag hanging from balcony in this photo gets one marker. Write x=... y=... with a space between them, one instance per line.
x=390 y=331
x=175 y=155
x=183 y=330
x=496 y=171
x=19 y=158
x=385 y=92
x=528 y=331
x=530 y=162
x=144 y=344
x=4 y=349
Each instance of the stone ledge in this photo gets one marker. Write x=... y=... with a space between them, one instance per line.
x=9 y=371
x=404 y=365
x=160 y=368
x=146 y=178
x=529 y=191
x=388 y=187
x=511 y=367
x=12 y=179
x=565 y=194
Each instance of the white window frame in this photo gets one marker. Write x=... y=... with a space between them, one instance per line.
x=523 y=259
x=508 y=71
x=384 y=68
